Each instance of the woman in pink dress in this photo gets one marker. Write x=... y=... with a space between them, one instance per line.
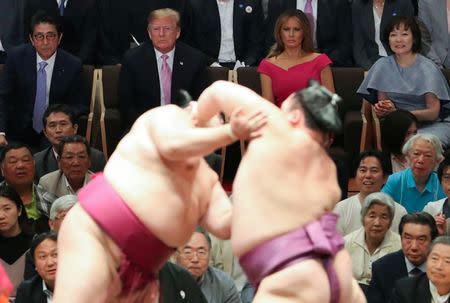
x=292 y=61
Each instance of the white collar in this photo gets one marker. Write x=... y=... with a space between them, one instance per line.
x=435 y=297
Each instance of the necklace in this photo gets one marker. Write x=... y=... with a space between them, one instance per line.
x=379 y=5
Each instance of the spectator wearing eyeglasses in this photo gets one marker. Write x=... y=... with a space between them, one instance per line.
x=34 y=76
x=216 y=285
x=74 y=159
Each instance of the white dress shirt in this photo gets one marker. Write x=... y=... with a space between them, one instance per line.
x=48 y=71
x=435 y=297
x=410 y=267
x=48 y=293
x=159 y=61
x=226 y=51
x=59 y=3
x=2 y=49
x=377 y=21
x=301 y=6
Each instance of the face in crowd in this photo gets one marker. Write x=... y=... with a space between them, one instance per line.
x=416 y=238
x=376 y=222
x=164 y=32
x=45 y=39
x=74 y=161
x=422 y=158
x=58 y=126
x=18 y=167
x=45 y=260
x=369 y=175
x=194 y=256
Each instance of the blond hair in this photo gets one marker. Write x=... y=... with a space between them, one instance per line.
x=163 y=13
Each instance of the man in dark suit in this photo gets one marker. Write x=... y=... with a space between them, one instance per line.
x=34 y=76
x=59 y=122
x=333 y=26
x=11 y=25
x=40 y=287
x=230 y=31
x=79 y=20
x=417 y=231
x=153 y=73
x=432 y=287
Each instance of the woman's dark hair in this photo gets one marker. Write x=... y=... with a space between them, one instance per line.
x=408 y=23
x=307 y=43
x=10 y=194
x=394 y=128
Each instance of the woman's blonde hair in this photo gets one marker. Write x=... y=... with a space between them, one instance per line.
x=307 y=43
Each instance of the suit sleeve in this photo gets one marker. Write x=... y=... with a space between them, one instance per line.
x=359 y=40
x=426 y=25
x=126 y=93
x=21 y=296
x=375 y=293
x=6 y=91
x=341 y=55
x=201 y=77
x=89 y=34
x=77 y=96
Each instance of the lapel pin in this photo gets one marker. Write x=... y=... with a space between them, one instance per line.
x=181 y=63
x=182 y=294
x=249 y=9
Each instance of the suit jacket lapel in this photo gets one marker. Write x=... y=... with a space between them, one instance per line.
x=177 y=72
x=153 y=72
x=57 y=76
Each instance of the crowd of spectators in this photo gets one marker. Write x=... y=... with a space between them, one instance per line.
x=389 y=225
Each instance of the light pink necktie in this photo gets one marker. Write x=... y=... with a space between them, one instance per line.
x=309 y=13
x=166 y=78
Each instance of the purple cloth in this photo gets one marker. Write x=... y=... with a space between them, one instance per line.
x=143 y=253
x=318 y=239
x=40 y=103
x=308 y=11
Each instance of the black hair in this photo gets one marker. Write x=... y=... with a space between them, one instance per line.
x=445 y=163
x=382 y=158
x=11 y=194
x=73 y=139
x=394 y=129
x=15 y=145
x=59 y=108
x=408 y=23
x=39 y=238
x=422 y=218
x=42 y=16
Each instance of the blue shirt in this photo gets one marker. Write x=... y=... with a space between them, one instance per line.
x=402 y=188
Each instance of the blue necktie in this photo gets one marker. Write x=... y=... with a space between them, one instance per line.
x=40 y=103
x=61 y=8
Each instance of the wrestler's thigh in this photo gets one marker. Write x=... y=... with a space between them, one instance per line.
x=350 y=290
x=305 y=282
x=85 y=270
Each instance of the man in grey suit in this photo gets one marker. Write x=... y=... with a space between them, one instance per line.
x=59 y=121
x=434 y=16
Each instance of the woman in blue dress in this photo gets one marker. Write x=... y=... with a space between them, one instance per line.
x=407 y=80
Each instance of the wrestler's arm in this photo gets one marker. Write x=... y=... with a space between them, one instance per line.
x=217 y=219
x=176 y=138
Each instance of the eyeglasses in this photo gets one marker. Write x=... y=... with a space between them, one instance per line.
x=49 y=36
x=71 y=157
x=189 y=253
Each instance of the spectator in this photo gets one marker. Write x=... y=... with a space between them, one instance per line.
x=417 y=230
x=153 y=73
x=59 y=121
x=331 y=26
x=434 y=16
x=371 y=174
x=40 y=288
x=230 y=32
x=369 y=18
x=374 y=240
x=34 y=76
x=18 y=169
x=79 y=23
x=432 y=287
x=11 y=26
x=216 y=285
x=59 y=210
x=393 y=82
x=414 y=187
x=292 y=61
x=74 y=159
x=405 y=125
x=440 y=210
x=14 y=237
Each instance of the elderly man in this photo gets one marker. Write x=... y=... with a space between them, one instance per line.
x=371 y=174
x=59 y=210
x=34 y=76
x=40 y=288
x=17 y=167
x=417 y=231
x=153 y=73
x=433 y=287
x=59 y=121
x=300 y=187
x=416 y=186
x=440 y=210
x=216 y=285
x=155 y=190
x=374 y=240
x=74 y=159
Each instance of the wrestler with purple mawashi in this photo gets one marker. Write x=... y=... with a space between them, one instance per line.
x=156 y=188
x=283 y=191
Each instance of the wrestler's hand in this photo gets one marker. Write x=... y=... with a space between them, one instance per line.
x=247 y=126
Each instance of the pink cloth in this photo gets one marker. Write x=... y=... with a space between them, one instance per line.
x=6 y=287
x=166 y=78
x=318 y=239
x=143 y=253
x=285 y=82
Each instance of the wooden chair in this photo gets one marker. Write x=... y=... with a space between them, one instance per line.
x=85 y=121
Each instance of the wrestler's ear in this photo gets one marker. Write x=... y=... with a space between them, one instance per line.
x=296 y=117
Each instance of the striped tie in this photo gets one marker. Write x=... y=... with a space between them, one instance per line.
x=166 y=78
